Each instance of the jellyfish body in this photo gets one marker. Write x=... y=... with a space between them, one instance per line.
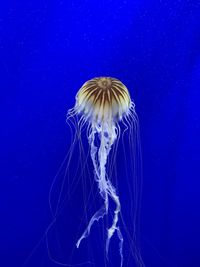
x=102 y=103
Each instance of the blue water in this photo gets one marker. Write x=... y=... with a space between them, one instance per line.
x=47 y=50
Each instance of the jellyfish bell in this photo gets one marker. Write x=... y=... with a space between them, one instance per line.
x=103 y=99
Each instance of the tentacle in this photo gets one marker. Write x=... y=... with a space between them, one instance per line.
x=107 y=133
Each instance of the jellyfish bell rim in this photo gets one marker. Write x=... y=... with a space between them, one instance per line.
x=90 y=118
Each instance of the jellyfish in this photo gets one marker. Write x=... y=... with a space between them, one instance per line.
x=105 y=112
x=103 y=103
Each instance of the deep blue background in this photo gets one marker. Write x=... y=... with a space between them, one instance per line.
x=47 y=50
